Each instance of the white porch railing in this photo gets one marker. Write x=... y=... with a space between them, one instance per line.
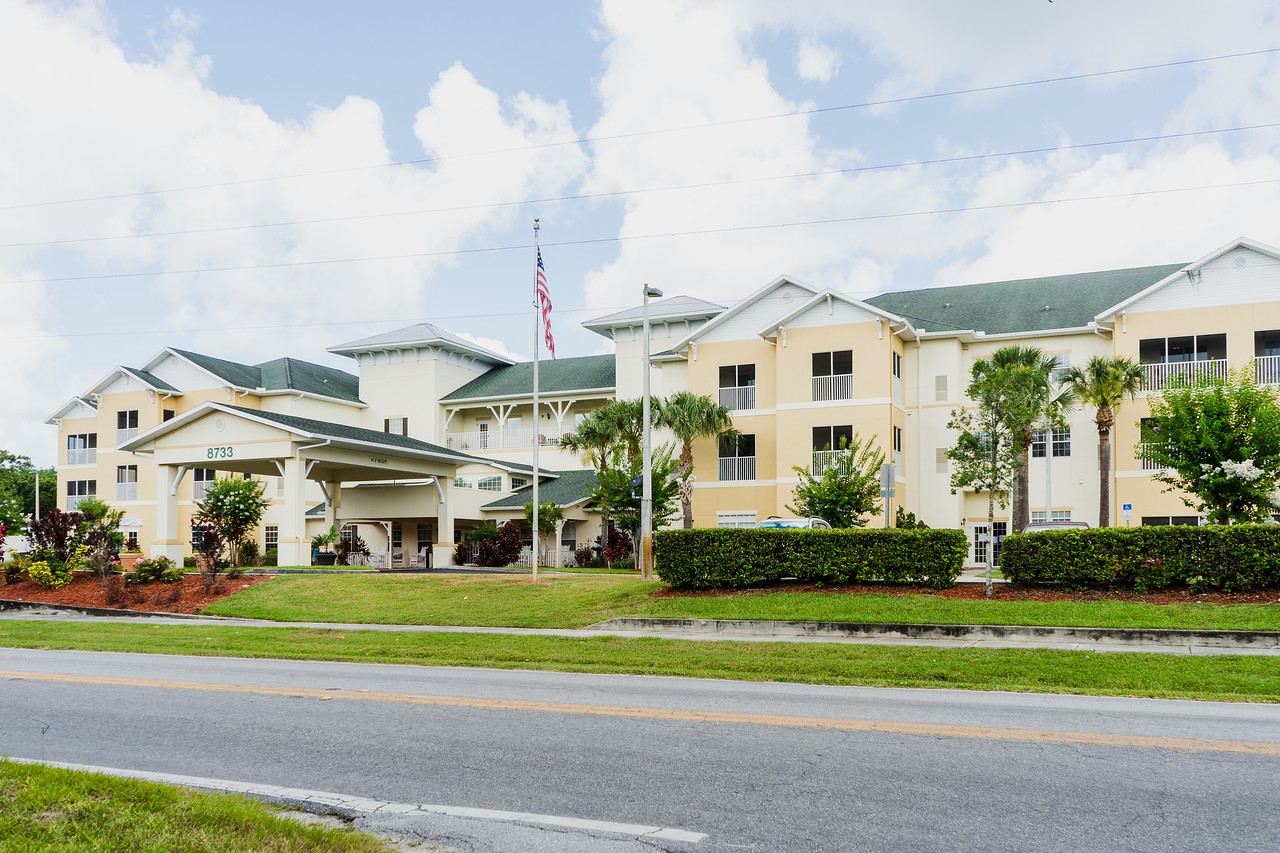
x=1156 y=375
x=736 y=399
x=198 y=489
x=737 y=468
x=824 y=459
x=1267 y=369
x=499 y=439
x=838 y=387
x=1144 y=463
x=526 y=557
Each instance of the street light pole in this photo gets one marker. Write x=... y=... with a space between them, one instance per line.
x=646 y=471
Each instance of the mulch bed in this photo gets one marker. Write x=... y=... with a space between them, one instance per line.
x=1000 y=592
x=85 y=590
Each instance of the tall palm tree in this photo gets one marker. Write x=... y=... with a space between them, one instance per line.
x=1031 y=369
x=1105 y=382
x=625 y=418
x=597 y=443
x=691 y=416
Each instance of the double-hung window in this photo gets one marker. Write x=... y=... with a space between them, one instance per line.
x=126 y=425
x=396 y=426
x=833 y=375
x=1057 y=441
x=78 y=490
x=270 y=537
x=738 y=386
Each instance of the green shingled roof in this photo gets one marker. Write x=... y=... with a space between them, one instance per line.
x=569 y=487
x=282 y=374
x=325 y=429
x=152 y=380
x=584 y=373
x=1008 y=307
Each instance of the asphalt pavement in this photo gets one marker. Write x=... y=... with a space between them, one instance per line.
x=768 y=767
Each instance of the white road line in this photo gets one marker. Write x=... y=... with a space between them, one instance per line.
x=349 y=806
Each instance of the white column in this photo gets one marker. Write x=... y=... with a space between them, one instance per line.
x=555 y=557
x=333 y=502
x=442 y=551
x=167 y=542
x=294 y=547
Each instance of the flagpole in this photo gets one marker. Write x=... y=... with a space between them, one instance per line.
x=537 y=329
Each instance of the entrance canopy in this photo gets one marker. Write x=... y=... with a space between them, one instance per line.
x=269 y=444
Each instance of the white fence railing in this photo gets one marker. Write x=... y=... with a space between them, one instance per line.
x=737 y=468
x=526 y=557
x=123 y=435
x=1156 y=375
x=1267 y=369
x=198 y=489
x=82 y=456
x=736 y=399
x=838 y=387
x=499 y=439
x=1144 y=463
x=126 y=491
x=824 y=459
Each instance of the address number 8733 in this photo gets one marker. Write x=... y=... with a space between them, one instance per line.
x=218 y=453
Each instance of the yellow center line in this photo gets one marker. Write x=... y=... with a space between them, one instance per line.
x=885 y=726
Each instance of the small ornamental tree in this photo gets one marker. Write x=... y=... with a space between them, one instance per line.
x=3 y=530
x=57 y=535
x=234 y=506
x=617 y=499
x=207 y=543
x=549 y=517
x=102 y=537
x=847 y=490
x=1219 y=443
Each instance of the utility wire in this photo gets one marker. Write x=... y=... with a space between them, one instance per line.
x=582 y=140
x=964 y=158
x=635 y=237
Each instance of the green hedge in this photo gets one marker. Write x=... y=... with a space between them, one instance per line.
x=708 y=558
x=1235 y=558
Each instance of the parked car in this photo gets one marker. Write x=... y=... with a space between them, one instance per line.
x=1041 y=526
x=775 y=523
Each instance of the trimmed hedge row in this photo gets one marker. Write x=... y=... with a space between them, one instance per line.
x=1239 y=557
x=706 y=558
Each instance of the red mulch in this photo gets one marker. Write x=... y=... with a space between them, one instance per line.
x=1003 y=592
x=85 y=590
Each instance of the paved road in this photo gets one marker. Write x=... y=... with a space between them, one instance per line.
x=754 y=766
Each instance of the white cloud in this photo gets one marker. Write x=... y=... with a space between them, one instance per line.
x=494 y=345
x=815 y=61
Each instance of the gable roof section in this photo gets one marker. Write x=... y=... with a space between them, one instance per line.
x=1019 y=305
x=672 y=308
x=69 y=406
x=741 y=306
x=151 y=379
x=1240 y=243
x=561 y=376
x=423 y=334
x=282 y=374
x=568 y=488
x=825 y=296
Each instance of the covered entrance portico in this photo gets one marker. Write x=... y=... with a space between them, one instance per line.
x=298 y=450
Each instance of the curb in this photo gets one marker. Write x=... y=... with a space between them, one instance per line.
x=909 y=631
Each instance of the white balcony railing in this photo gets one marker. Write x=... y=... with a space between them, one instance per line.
x=82 y=456
x=499 y=439
x=737 y=468
x=123 y=435
x=824 y=459
x=199 y=488
x=897 y=389
x=736 y=399
x=1156 y=375
x=838 y=387
x=1267 y=369
x=126 y=491
x=1144 y=463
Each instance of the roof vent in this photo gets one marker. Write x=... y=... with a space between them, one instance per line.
x=1046 y=307
x=1240 y=261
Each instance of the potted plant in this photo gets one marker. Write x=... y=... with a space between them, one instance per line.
x=322 y=544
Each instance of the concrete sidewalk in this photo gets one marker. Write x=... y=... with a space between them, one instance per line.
x=747 y=630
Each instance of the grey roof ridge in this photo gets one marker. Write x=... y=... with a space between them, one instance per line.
x=739 y=306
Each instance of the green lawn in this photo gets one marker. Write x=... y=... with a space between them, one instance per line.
x=44 y=808
x=573 y=602
x=1219 y=678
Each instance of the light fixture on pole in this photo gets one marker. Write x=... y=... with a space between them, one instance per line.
x=646 y=471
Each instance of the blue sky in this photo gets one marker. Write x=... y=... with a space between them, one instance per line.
x=125 y=98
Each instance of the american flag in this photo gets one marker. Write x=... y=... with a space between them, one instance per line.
x=544 y=301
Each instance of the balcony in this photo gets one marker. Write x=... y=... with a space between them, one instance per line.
x=837 y=387
x=1155 y=376
x=500 y=439
x=123 y=435
x=126 y=491
x=736 y=399
x=1144 y=463
x=737 y=468
x=826 y=459
x=82 y=456
x=1267 y=369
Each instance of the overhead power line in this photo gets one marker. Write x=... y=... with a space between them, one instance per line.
x=587 y=139
x=963 y=158
x=870 y=217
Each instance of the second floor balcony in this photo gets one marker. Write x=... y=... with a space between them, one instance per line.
x=836 y=387
x=1266 y=369
x=737 y=399
x=1145 y=463
x=737 y=468
x=1156 y=376
x=508 y=439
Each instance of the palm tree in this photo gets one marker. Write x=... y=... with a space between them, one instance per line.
x=691 y=416
x=1029 y=368
x=624 y=418
x=1105 y=382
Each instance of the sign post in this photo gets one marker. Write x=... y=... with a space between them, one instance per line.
x=886 y=489
x=1128 y=513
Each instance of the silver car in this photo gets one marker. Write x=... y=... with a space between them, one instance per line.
x=1041 y=526
x=776 y=523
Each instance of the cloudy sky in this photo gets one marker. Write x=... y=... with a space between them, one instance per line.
x=255 y=179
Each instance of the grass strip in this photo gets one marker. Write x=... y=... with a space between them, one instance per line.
x=47 y=808
x=574 y=602
x=1217 y=677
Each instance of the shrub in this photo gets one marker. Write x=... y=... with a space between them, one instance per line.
x=462 y=554
x=725 y=557
x=270 y=557
x=502 y=549
x=16 y=567
x=1238 y=557
x=248 y=553
x=584 y=557
x=188 y=562
x=51 y=575
x=619 y=546
x=160 y=569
